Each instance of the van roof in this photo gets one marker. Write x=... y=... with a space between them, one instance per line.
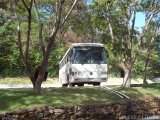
x=82 y=44
x=87 y=44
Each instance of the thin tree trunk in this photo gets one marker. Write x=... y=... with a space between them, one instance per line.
x=34 y=84
x=147 y=59
x=38 y=83
x=40 y=77
x=145 y=83
x=127 y=78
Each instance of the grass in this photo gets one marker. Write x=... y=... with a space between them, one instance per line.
x=140 y=92
x=11 y=99
x=24 y=80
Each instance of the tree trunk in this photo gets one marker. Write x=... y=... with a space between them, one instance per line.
x=43 y=66
x=34 y=84
x=35 y=79
x=38 y=84
x=145 y=83
x=127 y=78
x=38 y=81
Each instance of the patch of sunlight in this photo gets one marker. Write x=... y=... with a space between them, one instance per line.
x=25 y=80
x=140 y=92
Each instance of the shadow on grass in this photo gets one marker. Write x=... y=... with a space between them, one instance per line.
x=139 y=91
x=151 y=85
x=11 y=99
x=131 y=92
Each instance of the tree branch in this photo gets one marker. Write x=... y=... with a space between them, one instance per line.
x=25 y=5
x=19 y=34
x=110 y=26
x=41 y=43
x=28 y=31
x=141 y=37
x=28 y=71
x=68 y=13
x=133 y=23
x=58 y=19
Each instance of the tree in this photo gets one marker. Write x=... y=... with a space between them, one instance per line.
x=82 y=25
x=58 y=21
x=126 y=41
x=151 y=39
x=9 y=54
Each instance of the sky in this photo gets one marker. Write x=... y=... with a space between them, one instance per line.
x=140 y=20
x=89 y=1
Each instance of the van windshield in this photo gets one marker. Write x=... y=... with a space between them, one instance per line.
x=89 y=55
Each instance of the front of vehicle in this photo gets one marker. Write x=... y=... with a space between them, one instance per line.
x=89 y=65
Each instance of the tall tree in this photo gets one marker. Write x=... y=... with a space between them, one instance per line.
x=151 y=39
x=58 y=21
x=120 y=19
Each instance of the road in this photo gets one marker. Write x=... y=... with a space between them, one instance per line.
x=110 y=82
x=157 y=79
x=5 y=86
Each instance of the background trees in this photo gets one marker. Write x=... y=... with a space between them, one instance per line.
x=41 y=25
x=126 y=42
x=9 y=56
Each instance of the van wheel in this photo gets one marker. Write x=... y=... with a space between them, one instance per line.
x=96 y=84
x=64 y=85
x=71 y=84
x=80 y=84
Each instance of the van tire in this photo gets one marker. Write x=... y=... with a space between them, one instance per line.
x=80 y=84
x=64 y=85
x=96 y=84
x=71 y=84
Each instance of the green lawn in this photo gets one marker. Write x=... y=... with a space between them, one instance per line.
x=11 y=99
x=140 y=92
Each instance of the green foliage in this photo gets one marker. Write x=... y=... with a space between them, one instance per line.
x=154 y=66
x=4 y=4
x=138 y=68
x=9 y=55
x=55 y=57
